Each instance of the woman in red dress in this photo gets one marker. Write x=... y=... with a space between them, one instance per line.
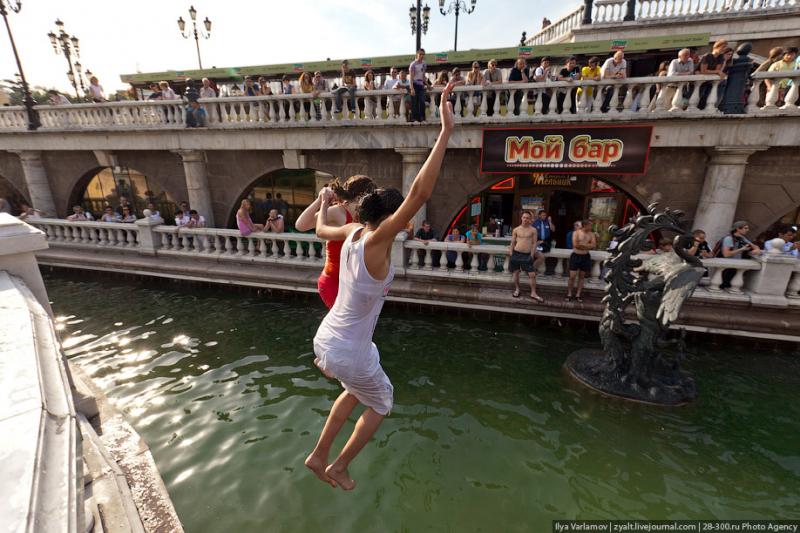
x=347 y=195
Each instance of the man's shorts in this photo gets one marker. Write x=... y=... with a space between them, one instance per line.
x=520 y=261
x=580 y=262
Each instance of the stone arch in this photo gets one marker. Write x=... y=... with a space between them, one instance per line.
x=297 y=189
x=103 y=185
x=11 y=194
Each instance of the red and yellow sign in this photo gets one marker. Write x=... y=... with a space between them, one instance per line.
x=567 y=150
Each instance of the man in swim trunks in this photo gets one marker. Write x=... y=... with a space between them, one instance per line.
x=580 y=262
x=523 y=248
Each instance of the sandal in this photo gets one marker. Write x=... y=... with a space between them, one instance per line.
x=567 y=298
x=579 y=299
x=538 y=298
x=515 y=294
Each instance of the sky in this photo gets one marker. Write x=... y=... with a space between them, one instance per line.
x=123 y=37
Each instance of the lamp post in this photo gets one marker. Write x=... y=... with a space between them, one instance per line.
x=33 y=115
x=70 y=46
x=457 y=6
x=206 y=35
x=419 y=21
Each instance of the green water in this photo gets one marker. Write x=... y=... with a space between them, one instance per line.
x=487 y=434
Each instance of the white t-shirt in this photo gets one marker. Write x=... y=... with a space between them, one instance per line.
x=168 y=94
x=207 y=92
x=97 y=92
x=180 y=220
x=610 y=69
x=199 y=223
x=539 y=72
x=390 y=83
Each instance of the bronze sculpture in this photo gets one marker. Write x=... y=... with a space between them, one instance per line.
x=631 y=364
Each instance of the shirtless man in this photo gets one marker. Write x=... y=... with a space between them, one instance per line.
x=580 y=262
x=523 y=240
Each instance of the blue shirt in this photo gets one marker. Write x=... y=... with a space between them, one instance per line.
x=542 y=229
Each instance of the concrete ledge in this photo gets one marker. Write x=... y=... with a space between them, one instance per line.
x=39 y=466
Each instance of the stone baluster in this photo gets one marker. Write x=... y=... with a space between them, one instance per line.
x=471 y=104
x=443 y=262
x=537 y=106
x=524 y=111
x=627 y=102
x=694 y=98
x=401 y=117
x=595 y=275
x=484 y=104
x=506 y=263
x=597 y=97
x=541 y=268
x=256 y=244
x=582 y=101
x=459 y=261
x=791 y=95
x=737 y=282
x=496 y=106
x=491 y=264
x=241 y=246
x=644 y=100
x=755 y=95
x=428 y=260
x=677 y=99
x=510 y=103
x=457 y=111
x=793 y=289
x=433 y=110
x=711 y=104
x=559 y=270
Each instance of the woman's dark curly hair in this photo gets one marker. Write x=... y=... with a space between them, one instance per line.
x=379 y=204
x=353 y=188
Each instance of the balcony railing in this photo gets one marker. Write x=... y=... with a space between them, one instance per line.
x=484 y=264
x=629 y=99
x=613 y=12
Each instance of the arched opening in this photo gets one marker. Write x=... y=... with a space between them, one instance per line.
x=792 y=218
x=13 y=198
x=105 y=186
x=565 y=198
x=289 y=191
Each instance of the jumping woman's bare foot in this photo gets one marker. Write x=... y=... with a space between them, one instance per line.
x=340 y=476
x=317 y=465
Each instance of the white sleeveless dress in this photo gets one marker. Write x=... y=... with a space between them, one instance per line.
x=343 y=343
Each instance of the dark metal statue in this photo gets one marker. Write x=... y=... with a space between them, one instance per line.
x=631 y=364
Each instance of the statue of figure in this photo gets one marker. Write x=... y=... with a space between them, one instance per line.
x=631 y=364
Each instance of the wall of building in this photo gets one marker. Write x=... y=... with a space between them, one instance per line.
x=771 y=187
x=11 y=174
x=68 y=172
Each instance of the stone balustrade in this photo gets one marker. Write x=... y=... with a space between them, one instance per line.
x=557 y=29
x=780 y=97
x=674 y=9
x=224 y=244
x=630 y=99
x=88 y=234
x=445 y=260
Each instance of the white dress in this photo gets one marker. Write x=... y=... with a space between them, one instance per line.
x=343 y=343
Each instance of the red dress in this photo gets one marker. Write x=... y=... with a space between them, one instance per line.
x=328 y=282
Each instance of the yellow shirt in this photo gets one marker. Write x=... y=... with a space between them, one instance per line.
x=779 y=66
x=588 y=73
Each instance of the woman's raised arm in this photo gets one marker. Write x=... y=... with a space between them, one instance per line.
x=424 y=183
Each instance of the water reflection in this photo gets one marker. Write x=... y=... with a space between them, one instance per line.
x=486 y=428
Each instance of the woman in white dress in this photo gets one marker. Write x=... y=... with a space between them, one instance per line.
x=343 y=343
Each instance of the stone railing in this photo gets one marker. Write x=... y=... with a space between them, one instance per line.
x=491 y=262
x=772 y=100
x=672 y=9
x=632 y=98
x=88 y=234
x=225 y=244
x=773 y=279
x=557 y=29
x=606 y=11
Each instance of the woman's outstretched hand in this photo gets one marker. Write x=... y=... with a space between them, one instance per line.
x=446 y=110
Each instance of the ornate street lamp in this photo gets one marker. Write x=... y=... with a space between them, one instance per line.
x=419 y=18
x=33 y=115
x=69 y=45
x=457 y=6
x=205 y=35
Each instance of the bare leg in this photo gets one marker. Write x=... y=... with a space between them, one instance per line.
x=532 y=276
x=515 y=278
x=366 y=426
x=570 y=282
x=318 y=459
x=581 y=276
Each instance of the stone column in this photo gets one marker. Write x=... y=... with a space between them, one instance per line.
x=413 y=158
x=720 y=196
x=194 y=168
x=36 y=179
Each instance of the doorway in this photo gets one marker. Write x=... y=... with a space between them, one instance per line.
x=565 y=207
